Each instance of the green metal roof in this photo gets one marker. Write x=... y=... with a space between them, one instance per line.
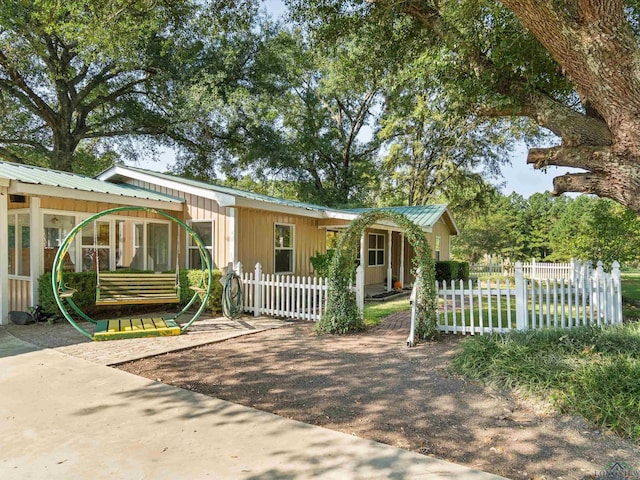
x=54 y=178
x=421 y=215
x=230 y=191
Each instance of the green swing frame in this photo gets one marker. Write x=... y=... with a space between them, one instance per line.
x=133 y=289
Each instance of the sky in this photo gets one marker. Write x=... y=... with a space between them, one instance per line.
x=517 y=177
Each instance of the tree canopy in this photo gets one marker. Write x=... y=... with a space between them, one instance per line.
x=79 y=79
x=568 y=68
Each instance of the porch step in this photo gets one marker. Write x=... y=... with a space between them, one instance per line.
x=387 y=296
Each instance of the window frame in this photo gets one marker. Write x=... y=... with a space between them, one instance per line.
x=16 y=266
x=377 y=249
x=437 y=248
x=191 y=247
x=292 y=248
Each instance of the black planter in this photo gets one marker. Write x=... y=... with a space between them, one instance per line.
x=20 y=318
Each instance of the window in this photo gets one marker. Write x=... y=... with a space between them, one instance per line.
x=332 y=238
x=376 y=249
x=283 y=242
x=437 y=249
x=56 y=228
x=19 y=244
x=95 y=246
x=158 y=247
x=204 y=229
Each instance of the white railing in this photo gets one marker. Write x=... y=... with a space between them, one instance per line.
x=550 y=271
x=591 y=297
x=283 y=295
x=534 y=269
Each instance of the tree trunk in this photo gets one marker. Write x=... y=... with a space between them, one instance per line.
x=594 y=44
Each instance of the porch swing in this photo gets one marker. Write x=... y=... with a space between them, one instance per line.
x=132 y=288
x=135 y=288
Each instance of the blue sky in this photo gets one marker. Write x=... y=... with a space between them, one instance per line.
x=518 y=177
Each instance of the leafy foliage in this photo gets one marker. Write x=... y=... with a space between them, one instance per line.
x=342 y=314
x=596 y=229
x=321 y=263
x=452 y=270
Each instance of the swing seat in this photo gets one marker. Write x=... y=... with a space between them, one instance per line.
x=137 y=289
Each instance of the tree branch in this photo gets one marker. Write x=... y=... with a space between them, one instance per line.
x=589 y=158
x=41 y=107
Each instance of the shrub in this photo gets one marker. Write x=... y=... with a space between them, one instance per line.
x=84 y=298
x=452 y=270
x=192 y=278
x=321 y=262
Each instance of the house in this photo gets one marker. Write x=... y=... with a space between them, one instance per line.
x=40 y=206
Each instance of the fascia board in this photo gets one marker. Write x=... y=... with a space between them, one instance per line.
x=63 y=192
x=223 y=199
x=275 y=207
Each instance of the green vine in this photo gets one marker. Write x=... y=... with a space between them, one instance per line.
x=342 y=314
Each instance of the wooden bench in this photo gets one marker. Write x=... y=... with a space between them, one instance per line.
x=137 y=289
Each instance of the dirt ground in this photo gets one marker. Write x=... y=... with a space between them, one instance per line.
x=372 y=386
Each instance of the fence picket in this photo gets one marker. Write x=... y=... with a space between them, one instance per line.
x=480 y=316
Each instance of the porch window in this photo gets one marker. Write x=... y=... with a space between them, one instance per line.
x=56 y=228
x=376 y=249
x=158 y=247
x=204 y=229
x=19 y=244
x=437 y=249
x=95 y=246
x=284 y=253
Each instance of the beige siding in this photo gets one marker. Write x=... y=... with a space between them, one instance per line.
x=256 y=242
x=440 y=229
x=19 y=294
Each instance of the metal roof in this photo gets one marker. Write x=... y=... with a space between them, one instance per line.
x=230 y=191
x=54 y=178
x=421 y=215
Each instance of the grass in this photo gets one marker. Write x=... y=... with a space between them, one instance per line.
x=631 y=294
x=590 y=371
x=375 y=312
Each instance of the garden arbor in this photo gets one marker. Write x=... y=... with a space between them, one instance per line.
x=342 y=314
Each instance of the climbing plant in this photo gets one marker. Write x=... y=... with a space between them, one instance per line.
x=342 y=314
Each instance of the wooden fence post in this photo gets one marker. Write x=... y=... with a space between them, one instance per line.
x=521 y=299
x=257 y=295
x=360 y=287
x=615 y=275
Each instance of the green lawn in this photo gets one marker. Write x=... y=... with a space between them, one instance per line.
x=375 y=312
x=588 y=371
x=631 y=294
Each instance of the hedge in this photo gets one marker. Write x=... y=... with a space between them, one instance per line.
x=452 y=270
x=85 y=297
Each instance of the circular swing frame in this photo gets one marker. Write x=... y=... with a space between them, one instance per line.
x=59 y=288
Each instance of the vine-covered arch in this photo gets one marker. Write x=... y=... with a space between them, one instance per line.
x=342 y=314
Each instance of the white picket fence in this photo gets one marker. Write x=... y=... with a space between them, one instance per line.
x=590 y=297
x=534 y=269
x=287 y=296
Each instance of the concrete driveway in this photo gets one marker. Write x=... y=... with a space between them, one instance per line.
x=63 y=417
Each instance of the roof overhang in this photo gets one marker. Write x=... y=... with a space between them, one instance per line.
x=118 y=171
x=64 y=192
x=276 y=207
x=332 y=215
